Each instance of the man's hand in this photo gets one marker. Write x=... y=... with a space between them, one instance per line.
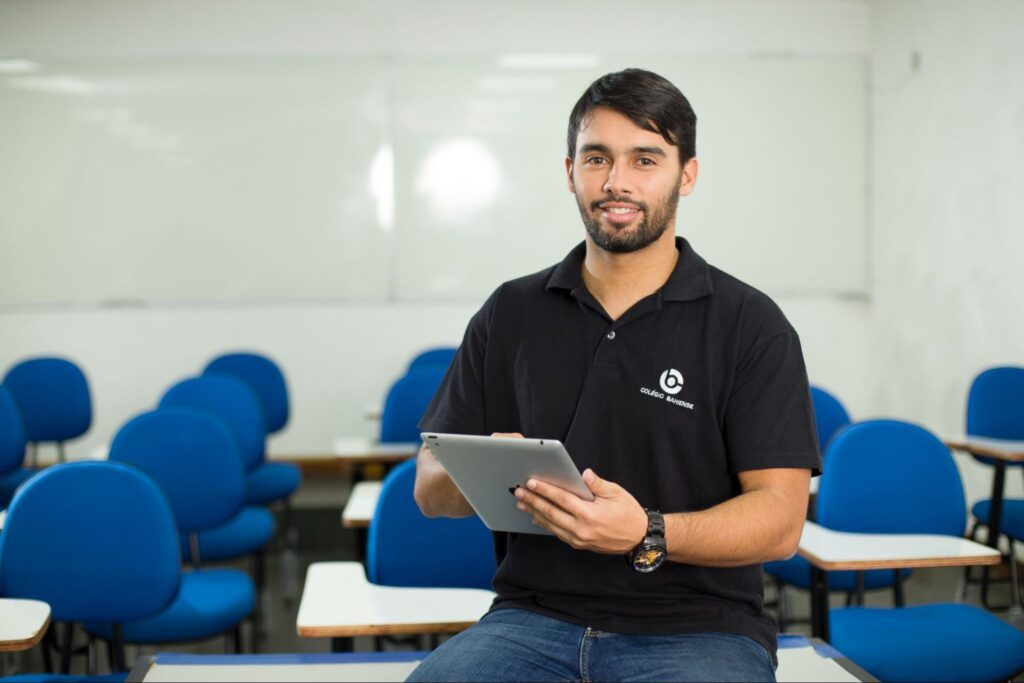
x=613 y=523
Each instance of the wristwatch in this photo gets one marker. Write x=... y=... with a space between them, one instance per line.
x=651 y=551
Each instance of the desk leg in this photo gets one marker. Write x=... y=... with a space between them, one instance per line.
x=819 y=604
x=341 y=644
x=995 y=519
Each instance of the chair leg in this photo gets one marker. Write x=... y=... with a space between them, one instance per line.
x=780 y=604
x=49 y=646
x=65 y=648
x=1015 y=603
x=117 y=649
x=259 y=558
x=899 y=600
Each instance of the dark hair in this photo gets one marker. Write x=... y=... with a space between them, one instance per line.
x=648 y=100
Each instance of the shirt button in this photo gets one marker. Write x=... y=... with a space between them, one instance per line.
x=611 y=335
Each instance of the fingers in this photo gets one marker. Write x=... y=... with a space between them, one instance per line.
x=544 y=511
x=508 y=435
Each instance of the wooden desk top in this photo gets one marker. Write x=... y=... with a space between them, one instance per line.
x=362 y=502
x=339 y=602
x=838 y=550
x=1000 y=449
x=22 y=623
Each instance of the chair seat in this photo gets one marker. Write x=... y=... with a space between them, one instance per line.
x=796 y=571
x=944 y=642
x=1012 y=522
x=246 y=533
x=271 y=481
x=10 y=481
x=209 y=602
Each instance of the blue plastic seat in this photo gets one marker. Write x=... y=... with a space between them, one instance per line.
x=405 y=548
x=96 y=541
x=53 y=396
x=439 y=357
x=12 y=448
x=891 y=477
x=995 y=408
x=830 y=417
x=194 y=459
x=231 y=401
x=406 y=401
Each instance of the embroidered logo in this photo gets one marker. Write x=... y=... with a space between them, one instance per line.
x=671 y=381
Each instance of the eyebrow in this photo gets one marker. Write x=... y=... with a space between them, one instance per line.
x=603 y=149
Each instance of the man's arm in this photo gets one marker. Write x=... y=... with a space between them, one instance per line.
x=763 y=523
x=435 y=492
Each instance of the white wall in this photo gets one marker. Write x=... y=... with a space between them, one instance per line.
x=948 y=208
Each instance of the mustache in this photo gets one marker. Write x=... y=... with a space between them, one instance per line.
x=624 y=200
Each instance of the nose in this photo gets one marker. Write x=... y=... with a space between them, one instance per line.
x=617 y=183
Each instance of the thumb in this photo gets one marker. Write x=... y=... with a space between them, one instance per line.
x=598 y=486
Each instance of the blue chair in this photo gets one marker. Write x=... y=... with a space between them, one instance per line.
x=53 y=396
x=406 y=401
x=441 y=357
x=405 y=548
x=12 y=448
x=97 y=542
x=995 y=408
x=891 y=477
x=192 y=456
x=831 y=417
x=270 y=481
x=248 y=532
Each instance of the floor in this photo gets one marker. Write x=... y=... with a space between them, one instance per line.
x=321 y=538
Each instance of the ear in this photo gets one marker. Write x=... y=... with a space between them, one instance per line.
x=690 y=169
x=568 y=174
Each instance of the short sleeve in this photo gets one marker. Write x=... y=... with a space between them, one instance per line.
x=458 y=405
x=769 y=419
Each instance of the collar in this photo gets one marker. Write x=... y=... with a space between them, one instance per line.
x=689 y=280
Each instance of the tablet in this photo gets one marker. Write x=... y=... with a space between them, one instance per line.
x=488 y=469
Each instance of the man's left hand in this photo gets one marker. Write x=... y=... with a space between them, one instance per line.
x=613 y=523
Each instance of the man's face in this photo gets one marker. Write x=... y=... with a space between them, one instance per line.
x=627 y=181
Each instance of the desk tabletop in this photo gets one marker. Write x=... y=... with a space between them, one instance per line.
x=339 y=602
x=800 y=659
x=362 y=502
x=839 y=550
x=1000 y=449
x=22 y=623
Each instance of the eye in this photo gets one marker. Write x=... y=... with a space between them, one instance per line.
x=594 y=160
x=646 y=161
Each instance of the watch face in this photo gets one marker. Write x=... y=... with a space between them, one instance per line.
x=648 y=558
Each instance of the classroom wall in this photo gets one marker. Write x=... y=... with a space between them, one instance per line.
x=936 y=306
x=948 y=208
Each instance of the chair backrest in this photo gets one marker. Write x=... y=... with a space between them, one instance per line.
x=264 y=377
x=194 y=459
x=232 y=401
x=887 y=476
x=95 y=540
x=53 y=396
x=829 y=415
x=404 y=548
x=440 y=356
x=12 y=433
x=406 y=402
x=995 y=404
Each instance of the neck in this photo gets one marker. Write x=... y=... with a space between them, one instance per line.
x=618 y=281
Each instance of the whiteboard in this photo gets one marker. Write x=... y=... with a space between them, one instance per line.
x=378 y=180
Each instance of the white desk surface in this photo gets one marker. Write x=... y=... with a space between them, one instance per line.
x=799 y=660
x=838 y=550
x=339 y=602
x=22 y=623
x=1001 y=449
x=362 y=502
x=352 y=450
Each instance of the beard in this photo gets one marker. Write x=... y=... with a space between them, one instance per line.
x=623 y=240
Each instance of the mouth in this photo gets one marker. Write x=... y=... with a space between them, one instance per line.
x=619 y=213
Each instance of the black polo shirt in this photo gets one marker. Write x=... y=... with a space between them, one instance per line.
x=697 y=382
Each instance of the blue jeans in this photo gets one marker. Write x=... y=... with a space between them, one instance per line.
x=518 y=645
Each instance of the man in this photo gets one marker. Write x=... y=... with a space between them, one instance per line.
x=682 y=394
